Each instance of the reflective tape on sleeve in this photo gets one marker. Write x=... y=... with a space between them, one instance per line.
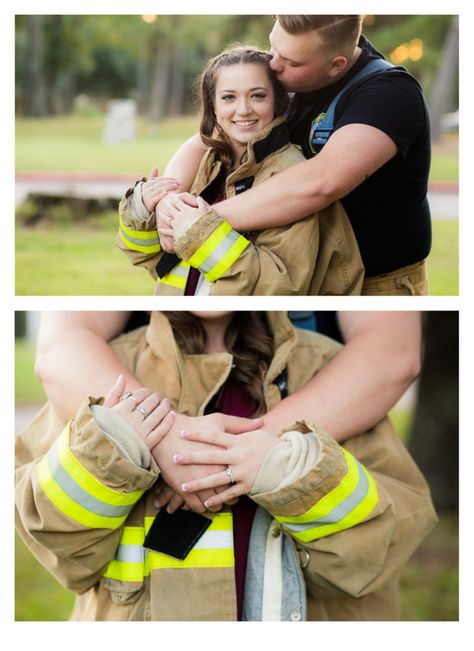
x=177 y=277
x=219 y=252
x=77 y=493
x=345 y=506
x=132 y=562
x=146 y=242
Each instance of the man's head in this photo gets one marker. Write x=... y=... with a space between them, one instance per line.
x=311 y=52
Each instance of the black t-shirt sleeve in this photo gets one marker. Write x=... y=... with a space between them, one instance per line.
x=392 y=103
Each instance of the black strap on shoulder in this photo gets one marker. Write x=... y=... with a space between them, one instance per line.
x=282 y=383
x=323 y=128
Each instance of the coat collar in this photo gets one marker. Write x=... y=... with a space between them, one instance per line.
x=267 y=141
x=190 y=381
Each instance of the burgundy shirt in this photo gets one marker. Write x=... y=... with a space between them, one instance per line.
x=234 y=401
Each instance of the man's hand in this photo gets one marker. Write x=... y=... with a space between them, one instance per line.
x=173 y=443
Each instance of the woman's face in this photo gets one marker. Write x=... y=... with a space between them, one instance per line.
x=244 y=101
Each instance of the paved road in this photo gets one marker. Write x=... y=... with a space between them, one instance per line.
x=444 y=199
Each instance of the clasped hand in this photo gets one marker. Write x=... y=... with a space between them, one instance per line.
x=160 y=428
x=174 y=214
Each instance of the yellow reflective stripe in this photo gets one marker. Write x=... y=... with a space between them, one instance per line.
x=177 y=277
x=210 y=244
x=87 y=481
x=195 y=558
x=345 y=506
x=143 y=241
x=125 y=571
x=77 y=493
x=124 y=567
x=228 y=259
x=132 y=536
x=69 y=507
x=219 y=252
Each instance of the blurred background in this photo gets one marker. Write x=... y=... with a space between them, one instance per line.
x=100 y=100
x=426 y=419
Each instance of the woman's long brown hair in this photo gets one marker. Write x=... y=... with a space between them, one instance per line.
x=247 y=338
x=211 y=133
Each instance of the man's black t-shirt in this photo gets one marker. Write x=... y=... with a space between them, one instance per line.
x=389 y=211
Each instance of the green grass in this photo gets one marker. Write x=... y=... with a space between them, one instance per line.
x=77 y=261
x=74 y=144
x=28 y=389
x=82 y=260
x=38 y=596
x=443 y=262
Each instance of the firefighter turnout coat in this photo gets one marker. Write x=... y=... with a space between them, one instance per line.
x=327 y=546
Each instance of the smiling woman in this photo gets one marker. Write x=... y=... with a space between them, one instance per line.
x=243 y=124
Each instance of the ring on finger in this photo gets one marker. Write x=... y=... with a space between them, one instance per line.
x=126 y=394
x=142 y=411
x=230 y=475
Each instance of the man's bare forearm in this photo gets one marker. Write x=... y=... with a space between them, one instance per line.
x=74 y=359
x=310 y=186
x=363 y=381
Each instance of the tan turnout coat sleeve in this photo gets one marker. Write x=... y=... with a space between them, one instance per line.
x=76 y=551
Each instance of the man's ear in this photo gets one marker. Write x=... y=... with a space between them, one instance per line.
x=338 y=66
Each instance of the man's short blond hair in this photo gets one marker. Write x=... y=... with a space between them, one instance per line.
x=336 y=32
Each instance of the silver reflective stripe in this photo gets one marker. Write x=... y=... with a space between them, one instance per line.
x=215 y=540
x=219 y=252
x=130 y=554
x=137 y=240
x=78 y=494
x=180 y=270
x=341 y=510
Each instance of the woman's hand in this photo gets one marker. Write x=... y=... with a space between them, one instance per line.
x=175 y=475
x=176 y=212
x=156 y=188
x=241 y=455
x=150 y=417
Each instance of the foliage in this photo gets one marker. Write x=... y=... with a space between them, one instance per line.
x=110 y=56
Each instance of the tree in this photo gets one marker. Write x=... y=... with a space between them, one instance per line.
x=441 y=100
x=35 y=89
x=434 y=437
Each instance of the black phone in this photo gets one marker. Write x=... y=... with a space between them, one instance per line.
x=175 y=534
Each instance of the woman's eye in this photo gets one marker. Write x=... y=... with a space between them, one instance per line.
x=227 y=98
x=259 y=96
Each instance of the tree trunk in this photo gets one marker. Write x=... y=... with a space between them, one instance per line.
x=434 y=439
x=443 y=87
x=177 y=80
x=160 y=82
x=35 y=90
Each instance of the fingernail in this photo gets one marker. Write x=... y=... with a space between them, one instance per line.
x=185 y=487
x=208 y=503
x=184 y=434
x=177 y=458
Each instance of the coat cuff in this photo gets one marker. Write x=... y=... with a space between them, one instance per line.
x=135 y=233
x=88 y=479
x=335 y=494
x=211 y=245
